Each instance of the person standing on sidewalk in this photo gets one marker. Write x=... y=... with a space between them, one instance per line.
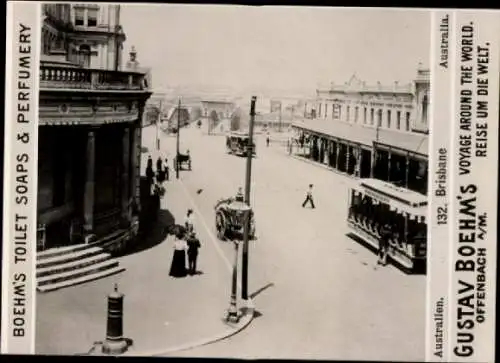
x=193 y=244
x=189 y=221
x=309 y=198
x=178 y=266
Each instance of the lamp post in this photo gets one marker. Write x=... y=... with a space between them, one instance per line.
x=248 y=179
x=178 y=139
x=232 y=315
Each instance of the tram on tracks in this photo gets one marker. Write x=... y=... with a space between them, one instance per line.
x=237 y=143
x=373 y=202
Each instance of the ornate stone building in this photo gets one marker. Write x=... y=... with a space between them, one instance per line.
x=90 y=113
x=375 y=131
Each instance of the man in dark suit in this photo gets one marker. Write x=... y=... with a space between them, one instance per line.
x=193 y=245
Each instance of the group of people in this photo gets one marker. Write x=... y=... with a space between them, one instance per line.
x=187 y=245
x=162 y=170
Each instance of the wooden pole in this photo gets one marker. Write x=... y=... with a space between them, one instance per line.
x=248 y=179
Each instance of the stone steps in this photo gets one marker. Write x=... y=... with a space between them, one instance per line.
x=72 y=265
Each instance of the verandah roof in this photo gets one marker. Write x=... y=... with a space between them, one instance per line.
x=412 y=142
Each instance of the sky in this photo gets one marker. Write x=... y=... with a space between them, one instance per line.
x=275 y=48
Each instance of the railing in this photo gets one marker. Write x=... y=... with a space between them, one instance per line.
x=53 y=77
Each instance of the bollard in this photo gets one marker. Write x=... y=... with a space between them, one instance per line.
x=115 y=342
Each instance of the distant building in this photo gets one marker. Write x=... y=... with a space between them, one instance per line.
x=90 y=128
x=376 y=131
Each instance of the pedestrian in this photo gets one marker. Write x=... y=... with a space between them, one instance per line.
x=383 y=243
x=189 y=221
x=194 y=245
x=267 y=140
x=178 y=266
x=149 y=164
x=239 y=196
x=309 y=198
x=159 y=165
x=167 y=170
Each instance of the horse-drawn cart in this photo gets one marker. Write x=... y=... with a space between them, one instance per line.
x=181 y=160
x=230 y=217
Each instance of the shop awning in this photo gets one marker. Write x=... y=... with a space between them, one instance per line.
x=412 y=142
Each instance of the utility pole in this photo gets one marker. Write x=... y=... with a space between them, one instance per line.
x=158 y=126
x=178 y=139
x=248 y=179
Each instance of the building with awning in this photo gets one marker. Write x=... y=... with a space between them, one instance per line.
x=378 y=132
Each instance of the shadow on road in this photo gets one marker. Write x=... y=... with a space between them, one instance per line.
x=418 y=271
x=263 y=288
x=154 y=236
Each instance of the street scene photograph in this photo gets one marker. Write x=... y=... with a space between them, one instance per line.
x=228 y=181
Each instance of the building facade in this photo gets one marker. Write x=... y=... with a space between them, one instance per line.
x=376 y=131
x=90 y=113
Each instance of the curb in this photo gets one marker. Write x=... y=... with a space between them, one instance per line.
x=245 y=320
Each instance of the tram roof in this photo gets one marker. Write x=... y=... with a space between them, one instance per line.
x=400 y=198
x=238 y=134
x=412 y=142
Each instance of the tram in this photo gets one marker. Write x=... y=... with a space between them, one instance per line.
x=237 y=143
x=373 y=202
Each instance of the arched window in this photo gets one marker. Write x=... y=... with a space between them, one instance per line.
x=84 y=56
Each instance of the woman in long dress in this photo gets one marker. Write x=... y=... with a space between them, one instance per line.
x=178 y=267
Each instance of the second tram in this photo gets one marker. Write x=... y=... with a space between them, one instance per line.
x=373 y=202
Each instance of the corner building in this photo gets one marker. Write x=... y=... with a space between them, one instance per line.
x=371 y=131
x=90 y=113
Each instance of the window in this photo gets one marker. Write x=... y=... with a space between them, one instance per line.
x=92 y=17
x=372 y=116
x=336 y=111
x=379 y=118
x=356 y=114
x=364 y=115
x=326 y=110
x=79 y=16
x=388 y=119
x=398 y=120
x=425 y=102
x=347 y=112
x=84 y=56
x=319 y=110
x=407 y=121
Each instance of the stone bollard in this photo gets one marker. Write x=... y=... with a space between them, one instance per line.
x=115 y=342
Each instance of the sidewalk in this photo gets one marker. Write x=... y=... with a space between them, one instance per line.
x=161 y=314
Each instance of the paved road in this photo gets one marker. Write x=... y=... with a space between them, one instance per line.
x=321 y=294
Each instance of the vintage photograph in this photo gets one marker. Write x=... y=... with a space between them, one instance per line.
x=232 y=181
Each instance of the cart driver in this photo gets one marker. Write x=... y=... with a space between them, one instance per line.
x=239 y=196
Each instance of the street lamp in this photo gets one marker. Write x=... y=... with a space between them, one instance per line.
x=239 y=209
x=233 y=316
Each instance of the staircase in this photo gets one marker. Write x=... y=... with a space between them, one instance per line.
x=61 y=267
